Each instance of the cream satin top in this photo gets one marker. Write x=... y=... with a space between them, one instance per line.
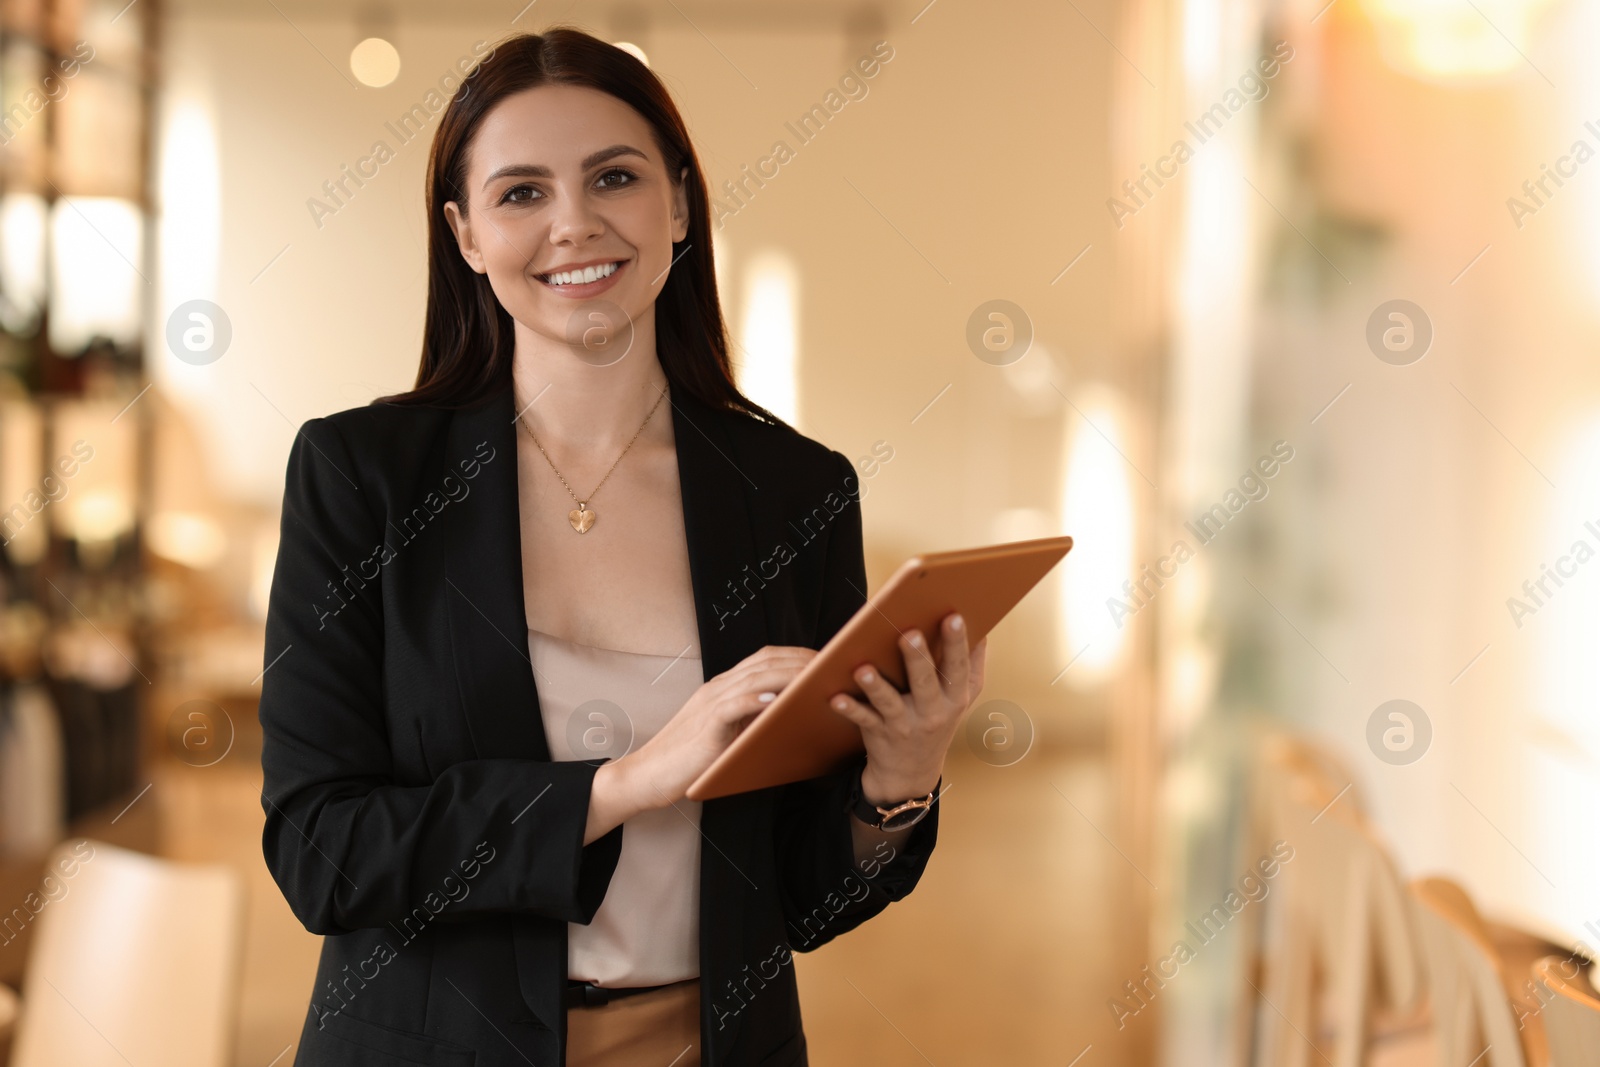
x=605 y=702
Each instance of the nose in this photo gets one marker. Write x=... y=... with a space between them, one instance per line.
x=573 y=219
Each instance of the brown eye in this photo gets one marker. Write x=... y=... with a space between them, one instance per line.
x=629 y=175
x=509 y=195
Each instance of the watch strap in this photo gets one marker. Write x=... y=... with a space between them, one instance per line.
x=899 y=815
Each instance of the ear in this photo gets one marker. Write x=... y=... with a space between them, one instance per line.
x=680 y=207
x=465 y=240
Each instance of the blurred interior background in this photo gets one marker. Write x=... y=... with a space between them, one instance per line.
x=1286 y=312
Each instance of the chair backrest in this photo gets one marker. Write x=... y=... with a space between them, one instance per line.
x=135 y=960
x=1474 y=1021
x=1571 y=1014
x=1338 y=910
x=1363 y=916
x=1318 y=774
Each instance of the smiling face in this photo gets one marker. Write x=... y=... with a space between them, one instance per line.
x=569 y=200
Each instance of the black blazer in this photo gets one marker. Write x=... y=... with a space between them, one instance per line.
x=413 y=813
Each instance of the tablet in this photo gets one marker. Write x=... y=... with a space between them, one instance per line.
x=799 y=736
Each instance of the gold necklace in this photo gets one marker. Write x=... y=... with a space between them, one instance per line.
x=583 y=516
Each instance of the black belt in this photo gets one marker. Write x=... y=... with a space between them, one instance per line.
x=582 y=994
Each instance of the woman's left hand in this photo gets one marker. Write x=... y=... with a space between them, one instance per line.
x=907 y=734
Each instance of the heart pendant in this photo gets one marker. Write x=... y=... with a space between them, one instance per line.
x=581 y=518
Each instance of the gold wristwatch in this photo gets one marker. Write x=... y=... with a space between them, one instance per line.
x=900 y=816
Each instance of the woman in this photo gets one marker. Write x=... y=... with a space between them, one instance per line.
x=517 y=611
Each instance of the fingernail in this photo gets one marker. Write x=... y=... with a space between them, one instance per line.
x=766 y=697
x=841 y=703
x=955 y=622
x=868 y=675
x=915 y=639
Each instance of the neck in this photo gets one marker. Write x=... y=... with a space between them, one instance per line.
x=578 y=406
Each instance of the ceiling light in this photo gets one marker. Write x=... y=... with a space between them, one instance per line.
x=375 y=62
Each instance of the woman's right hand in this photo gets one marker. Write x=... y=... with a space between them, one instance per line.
x=660 y=771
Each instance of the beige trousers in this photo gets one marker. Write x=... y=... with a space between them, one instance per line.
x=656 y=1029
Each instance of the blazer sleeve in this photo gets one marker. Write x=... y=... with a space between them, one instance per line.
x=823 y=893
x=349 y=846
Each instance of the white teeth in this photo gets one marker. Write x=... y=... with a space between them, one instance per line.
x=581 y=277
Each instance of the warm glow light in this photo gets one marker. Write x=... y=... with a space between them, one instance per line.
x=95 y=505
x=1566 y=607
x=1202 y=38
x=1209 y=381
x=95 y=271
x=1454 y=38
x=1213 y=251
x=375 y=62
x=1563 y=591
x=186 y=537
x=191 y=237
x=770 y=335
x=1097 y=512
x=99 y=515
x=1188 y=682
x=22 y=229
x=192 y=205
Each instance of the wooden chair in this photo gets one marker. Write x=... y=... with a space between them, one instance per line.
x=1344 y=952
x=1474 y=1018
x=1339 y=960
x=135 y=960
x=1571 y=1013
x=1310 y=766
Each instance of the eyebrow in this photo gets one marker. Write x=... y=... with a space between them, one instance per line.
x=535 y=170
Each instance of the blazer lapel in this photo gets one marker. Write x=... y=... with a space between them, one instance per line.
x=483 y=592
x=716 y=514
x=716 y=519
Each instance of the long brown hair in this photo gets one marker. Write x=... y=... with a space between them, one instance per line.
x=468 y=337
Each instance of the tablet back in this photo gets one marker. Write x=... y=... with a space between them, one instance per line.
x=799 y=736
